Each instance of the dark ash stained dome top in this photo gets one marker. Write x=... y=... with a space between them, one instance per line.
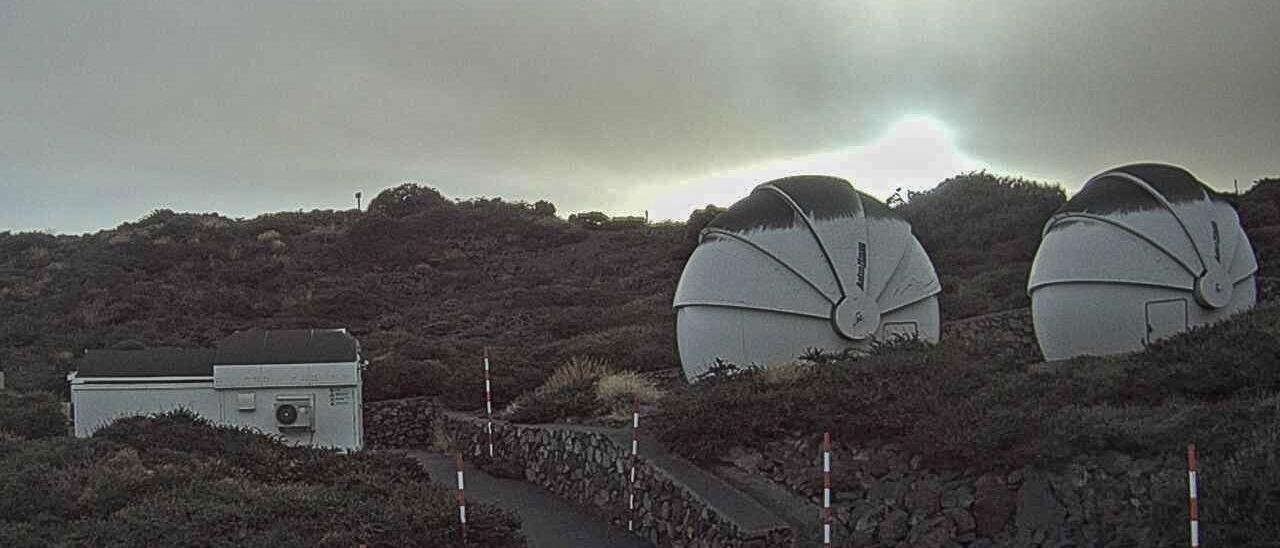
x=150 y=362
x=820 y=197
x=1120 y=190
x=267 y=347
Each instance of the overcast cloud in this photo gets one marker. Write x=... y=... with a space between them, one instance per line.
x=109 y=109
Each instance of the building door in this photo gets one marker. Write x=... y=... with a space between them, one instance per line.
x=1166 y=318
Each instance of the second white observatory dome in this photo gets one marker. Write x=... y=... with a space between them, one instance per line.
x=1142 y=252
x=802 y=262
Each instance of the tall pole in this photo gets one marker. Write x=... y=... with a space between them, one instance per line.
x=488 y=402
x=462 y=498
x=631 y=484
x=826 y=489
x=1193 y=501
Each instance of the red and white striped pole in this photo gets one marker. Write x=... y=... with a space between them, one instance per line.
x=488 y=402
x=462 y=498
x=635 y=446
x=826 y=488
x=1193 y=501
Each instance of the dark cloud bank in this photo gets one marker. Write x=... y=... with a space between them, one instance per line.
x=111 y=109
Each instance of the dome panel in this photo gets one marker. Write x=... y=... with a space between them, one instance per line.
x=802 y=262
x=912 y=280
x=1141 y=253
x=1143 y=264
x=726 y=272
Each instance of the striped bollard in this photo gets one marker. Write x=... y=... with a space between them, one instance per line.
x=826 y=488
x=1193 y=501
x=488 y=402
x=635 y=445
x=462 y=498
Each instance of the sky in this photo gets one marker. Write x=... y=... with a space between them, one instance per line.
x=110 y=109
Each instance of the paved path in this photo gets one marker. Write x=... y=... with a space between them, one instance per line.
x=549 y=521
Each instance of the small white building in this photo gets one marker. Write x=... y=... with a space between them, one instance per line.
x=302 y=385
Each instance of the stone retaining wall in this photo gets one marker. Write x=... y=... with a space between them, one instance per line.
x=884 y=497
x=1011 y=332
x=583 y=465
x=400 y=424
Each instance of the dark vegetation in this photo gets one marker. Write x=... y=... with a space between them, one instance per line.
x=1260 y=214
x=1218 y=386
x=962 y=409
x=426 y=282
x=981 y=232
x=31 y=416
x=174 y=480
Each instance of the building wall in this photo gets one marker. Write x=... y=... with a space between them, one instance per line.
x=336 y=410
x=96 y=405
x=338 y=420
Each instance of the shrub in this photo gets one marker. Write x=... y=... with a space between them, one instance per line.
x=31 y=416
x=567 y=393
x=544 y=208
x=698 y=220
x=174 y=480
x=981 y=231
x=407 y=199
x=616 y=392
x=575 y=372
x=268 y=236
x=959 y=408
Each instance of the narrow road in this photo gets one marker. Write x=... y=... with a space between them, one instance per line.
x=549 y=522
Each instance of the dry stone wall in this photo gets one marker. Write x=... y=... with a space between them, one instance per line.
x=590 y=467
x=399 y=424
x=1011 y=333
x=586 y=466
x=884 y=497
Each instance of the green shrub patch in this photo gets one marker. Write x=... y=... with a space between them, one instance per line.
x=175 y=480
x=960 y=410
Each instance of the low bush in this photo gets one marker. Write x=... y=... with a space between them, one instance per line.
x=175 y=480
x=583 y=388
x=569 y=392
x=617 y=392
x=30 y=416
x=959 y=408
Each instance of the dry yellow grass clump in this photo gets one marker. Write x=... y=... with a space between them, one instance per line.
x=616 y=392
x=575 y=372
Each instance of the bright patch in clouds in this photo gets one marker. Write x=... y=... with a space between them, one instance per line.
x=916 y=153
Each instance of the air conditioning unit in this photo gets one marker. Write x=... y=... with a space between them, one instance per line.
x=295 y=413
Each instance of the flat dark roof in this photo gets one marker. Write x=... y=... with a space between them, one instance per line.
x=150 y=362
x=262 y=347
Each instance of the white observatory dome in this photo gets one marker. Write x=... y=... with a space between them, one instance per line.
x=1141 y=253
x=803 y=262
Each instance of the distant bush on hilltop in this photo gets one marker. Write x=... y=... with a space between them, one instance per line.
x=981 y=232
x=1260 y=215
